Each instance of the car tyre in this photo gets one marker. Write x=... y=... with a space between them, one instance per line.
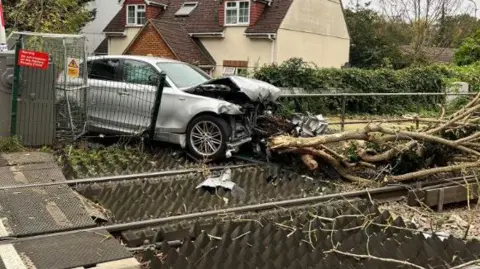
x=207 y=137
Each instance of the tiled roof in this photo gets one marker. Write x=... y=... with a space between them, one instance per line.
x=201 y=20
x=271 y=18
x=117 y=24
x=433 y=54
x=204 y=18
x=102 y=48
x=181 y=43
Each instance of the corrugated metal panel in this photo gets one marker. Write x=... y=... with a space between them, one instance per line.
x=36 y=106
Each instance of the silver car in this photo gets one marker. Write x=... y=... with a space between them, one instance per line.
x=209 y=117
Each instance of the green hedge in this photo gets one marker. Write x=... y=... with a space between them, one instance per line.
x=297 y=74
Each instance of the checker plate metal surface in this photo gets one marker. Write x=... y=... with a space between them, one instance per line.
x=70 y=251
x=29 y=174
x=41 y=210
x=28 y=157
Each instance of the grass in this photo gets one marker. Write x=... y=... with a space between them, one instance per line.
x=10 y=144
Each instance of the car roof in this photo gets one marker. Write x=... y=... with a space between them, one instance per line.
x=149 y=59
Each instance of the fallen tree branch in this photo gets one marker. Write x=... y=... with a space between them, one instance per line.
x=333 y=162
x=309 y=161
x=432 y=171
x=362 y=256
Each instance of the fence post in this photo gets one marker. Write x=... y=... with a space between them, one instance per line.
x=156 y=106
x=342 y=116
x=15 y=87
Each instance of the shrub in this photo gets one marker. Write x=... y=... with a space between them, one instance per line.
x=296 y=73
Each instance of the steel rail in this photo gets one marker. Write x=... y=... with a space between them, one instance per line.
x=126 y=177
x=394 y=191
x=286 y=95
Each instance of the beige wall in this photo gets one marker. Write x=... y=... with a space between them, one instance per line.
x=314 y=30
x=237 y=47
x=117 y=45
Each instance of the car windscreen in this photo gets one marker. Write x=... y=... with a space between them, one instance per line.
x=183 y=75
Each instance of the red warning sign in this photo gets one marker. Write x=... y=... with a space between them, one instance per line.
x=33 y=59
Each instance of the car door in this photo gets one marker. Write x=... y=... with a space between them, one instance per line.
x=141 y=77
x=103 y=96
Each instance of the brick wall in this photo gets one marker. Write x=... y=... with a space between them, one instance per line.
x=150 y=42
x=256 y=11
x=152 y=12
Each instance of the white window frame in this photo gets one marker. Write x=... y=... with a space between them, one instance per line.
x=186 y=11
x=136 y=14
x=237 y=8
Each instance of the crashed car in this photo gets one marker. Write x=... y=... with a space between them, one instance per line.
x=211 y=118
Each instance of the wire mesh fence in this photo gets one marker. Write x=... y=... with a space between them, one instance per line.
x=63 y=94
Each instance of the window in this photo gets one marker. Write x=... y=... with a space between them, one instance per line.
x=183 y=75
x=235 y=71
x=136 y=15
x=186 y=9
x=140 y=73
x=237 y=13
x=104 y=69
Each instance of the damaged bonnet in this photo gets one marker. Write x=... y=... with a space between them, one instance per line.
x=255 y=90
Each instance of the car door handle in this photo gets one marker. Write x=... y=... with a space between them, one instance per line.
x=181 y=98
x=122 y=92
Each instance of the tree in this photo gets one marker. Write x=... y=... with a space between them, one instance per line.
x=452 y=31
x=469 y=51
x=374 y=41
x=49 y=16
x=423 y=18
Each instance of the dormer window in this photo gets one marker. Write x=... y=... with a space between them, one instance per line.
x=136 y=15
x=186 y=9
x=237 y=13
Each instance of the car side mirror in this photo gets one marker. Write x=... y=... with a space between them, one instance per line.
x=154 y=79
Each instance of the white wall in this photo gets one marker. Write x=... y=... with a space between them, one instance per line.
x=106 y=10
x=235 y=46
x=316 y=31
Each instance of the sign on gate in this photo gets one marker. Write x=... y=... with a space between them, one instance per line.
x=33 y=59
x=73 y=68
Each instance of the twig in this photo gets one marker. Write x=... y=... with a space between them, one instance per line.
x=463 y=265
x=360 y=256
x=240 y=236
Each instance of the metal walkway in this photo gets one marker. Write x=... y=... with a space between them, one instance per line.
x=44 y=210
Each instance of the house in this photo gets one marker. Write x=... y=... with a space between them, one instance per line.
x=93 y=31
x=431 y=54
x=231 y=36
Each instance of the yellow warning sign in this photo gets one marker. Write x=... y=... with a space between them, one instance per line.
x=73 y=68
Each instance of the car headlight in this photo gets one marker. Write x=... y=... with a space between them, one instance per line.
x=230 y=109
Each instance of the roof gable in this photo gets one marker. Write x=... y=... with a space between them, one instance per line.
x=205 y=17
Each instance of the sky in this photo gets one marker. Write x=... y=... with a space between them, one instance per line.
x=467 y=5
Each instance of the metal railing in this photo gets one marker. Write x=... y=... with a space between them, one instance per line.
x=344 y=96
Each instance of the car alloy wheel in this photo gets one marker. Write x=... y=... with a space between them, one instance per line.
x=206 y=138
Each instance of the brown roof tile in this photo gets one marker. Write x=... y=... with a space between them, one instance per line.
x=433 y=54
x=117 y=24
x=271 y=18
x=181 y=43
x=102 y=48
x=203 y=19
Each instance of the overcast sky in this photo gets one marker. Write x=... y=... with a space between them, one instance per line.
x=468 y=6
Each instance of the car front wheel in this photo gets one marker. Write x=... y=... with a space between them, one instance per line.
x=207 y=137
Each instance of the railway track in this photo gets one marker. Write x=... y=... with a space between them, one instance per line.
x=381 y=194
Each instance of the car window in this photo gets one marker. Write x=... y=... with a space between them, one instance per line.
x=104 y=69
x=183 y=75
x=140 y=73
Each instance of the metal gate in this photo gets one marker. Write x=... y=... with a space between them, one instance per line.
x=41 y=109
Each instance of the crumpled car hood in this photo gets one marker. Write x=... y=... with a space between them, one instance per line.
x=255 y=90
